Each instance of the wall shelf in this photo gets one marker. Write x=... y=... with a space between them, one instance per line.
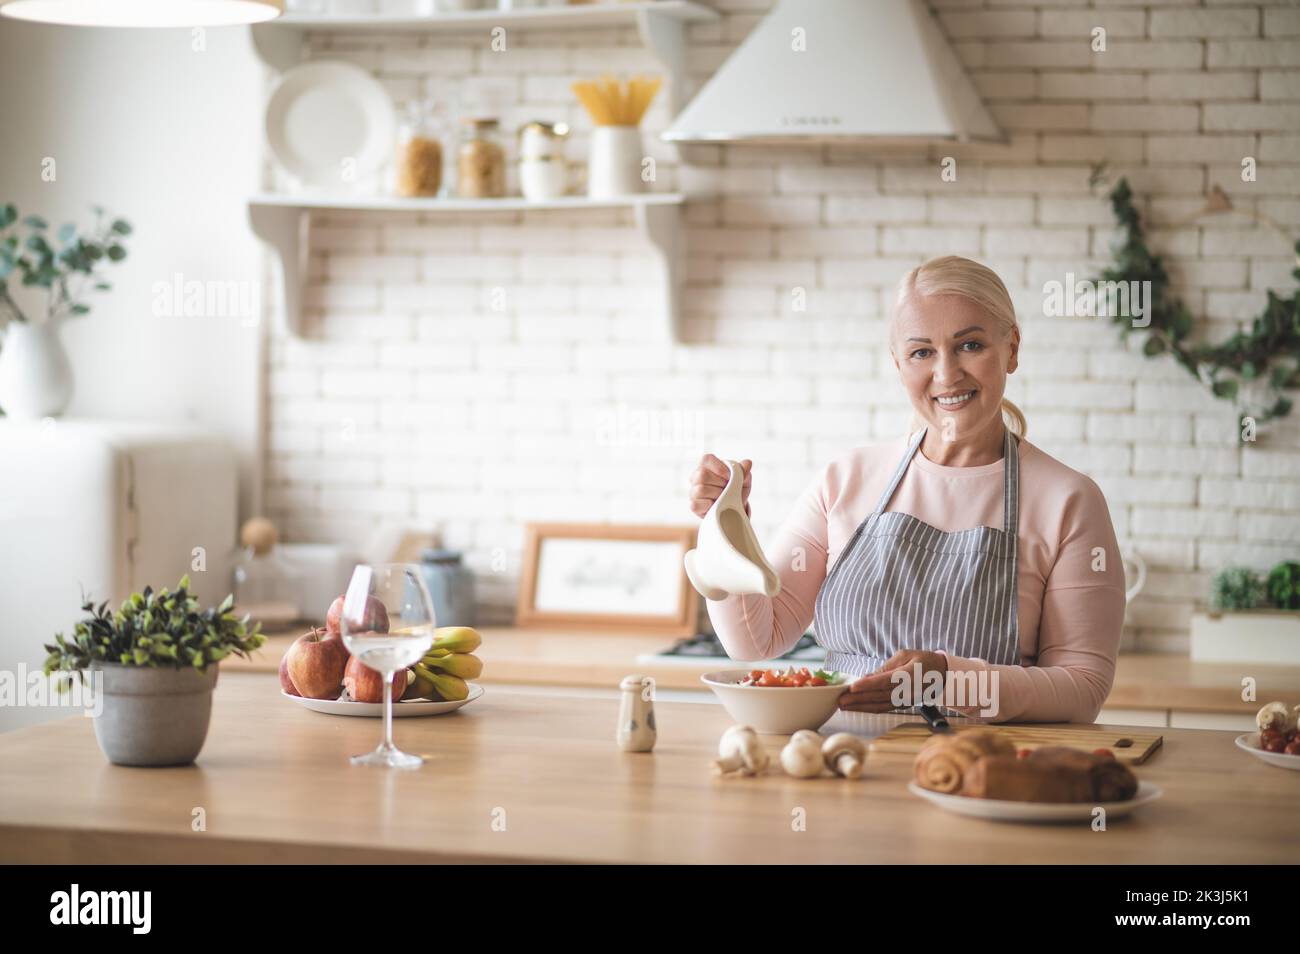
x=282 y=222
x=661 y=24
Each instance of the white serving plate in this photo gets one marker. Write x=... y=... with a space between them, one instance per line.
x=1250 y=742
x=407 y=708
x=325 y=112
x=997 y=810
x=775 y=710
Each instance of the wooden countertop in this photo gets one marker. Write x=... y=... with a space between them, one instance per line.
x=599 y=659
x=534 y=775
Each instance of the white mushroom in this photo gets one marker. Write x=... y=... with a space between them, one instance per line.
x=802 y=755
x=739 y=749
x=1276 y=716
x=844 y=754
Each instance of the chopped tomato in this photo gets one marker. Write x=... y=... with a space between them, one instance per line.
x=791 y=678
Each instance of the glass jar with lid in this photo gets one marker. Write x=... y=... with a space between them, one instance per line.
x=480 y=160
x=451 y=586
x=542 y=170
x=419 y=152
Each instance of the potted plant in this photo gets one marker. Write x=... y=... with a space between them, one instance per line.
x=1250 y=618
x=35 y=375
x=155 y=662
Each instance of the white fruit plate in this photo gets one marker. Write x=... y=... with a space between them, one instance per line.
x=407 y=708
x=1250 y=742
x=998 y=810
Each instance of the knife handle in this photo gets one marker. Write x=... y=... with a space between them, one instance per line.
x=932 y=715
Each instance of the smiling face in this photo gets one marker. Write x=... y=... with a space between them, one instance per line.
x=953 y=360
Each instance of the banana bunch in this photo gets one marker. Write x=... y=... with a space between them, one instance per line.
x=441 y=675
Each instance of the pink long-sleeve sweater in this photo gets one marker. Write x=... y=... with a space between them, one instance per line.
x=1071 y=576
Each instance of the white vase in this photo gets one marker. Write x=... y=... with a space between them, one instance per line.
x=35 y=375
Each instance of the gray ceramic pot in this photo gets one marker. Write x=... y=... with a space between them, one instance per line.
x=154 y=716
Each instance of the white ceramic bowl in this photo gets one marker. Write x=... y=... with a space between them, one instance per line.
x=1250 y=743
x=774 y=710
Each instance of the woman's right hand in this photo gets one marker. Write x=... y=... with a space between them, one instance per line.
x=710 y=479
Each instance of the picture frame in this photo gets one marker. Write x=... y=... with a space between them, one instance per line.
x=608 y=575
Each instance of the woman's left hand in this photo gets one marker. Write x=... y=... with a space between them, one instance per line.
x=873 y=693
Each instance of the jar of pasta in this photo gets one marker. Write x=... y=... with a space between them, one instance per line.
x=419 y=152
x=480 y=161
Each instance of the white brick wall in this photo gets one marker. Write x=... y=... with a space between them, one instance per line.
x=413 y=399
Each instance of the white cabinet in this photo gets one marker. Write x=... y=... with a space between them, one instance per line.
x=103 y=509
x=1154 y=717
x=1178 y=719
x=1236 y=722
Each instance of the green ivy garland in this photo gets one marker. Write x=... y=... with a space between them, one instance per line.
x=1268 y=353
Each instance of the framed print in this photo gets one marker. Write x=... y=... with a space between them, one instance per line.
x=606 y=574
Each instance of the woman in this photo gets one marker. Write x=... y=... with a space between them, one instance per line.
x=963 y=548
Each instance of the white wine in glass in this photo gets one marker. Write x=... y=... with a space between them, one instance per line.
x=388 y=624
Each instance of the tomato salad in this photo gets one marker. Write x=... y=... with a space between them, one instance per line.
x=791 y=678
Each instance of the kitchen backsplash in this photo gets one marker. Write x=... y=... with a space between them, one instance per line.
x=471 y=373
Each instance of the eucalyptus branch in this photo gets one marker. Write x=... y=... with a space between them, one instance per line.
x=65 y=270
x=8 y=302
x=1268 y=353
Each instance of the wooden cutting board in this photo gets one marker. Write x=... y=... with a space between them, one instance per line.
x=1133 y=748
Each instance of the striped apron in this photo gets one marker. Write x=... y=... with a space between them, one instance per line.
x=902 y=584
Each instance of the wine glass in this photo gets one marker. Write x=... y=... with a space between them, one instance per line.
x=387 y=623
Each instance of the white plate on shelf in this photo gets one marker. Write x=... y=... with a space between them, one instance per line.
x=1250 y=742
x=998 y=810
x=329 y=122
x=407 y=708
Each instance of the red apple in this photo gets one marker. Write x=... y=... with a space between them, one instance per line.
x=334 y=615
x=367 y=685
x=315 y=664
x=376 y=617
x=285 y=682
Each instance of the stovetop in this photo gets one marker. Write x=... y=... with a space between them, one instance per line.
x=705 y=647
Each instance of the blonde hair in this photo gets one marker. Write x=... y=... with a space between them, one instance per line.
x=978 y=284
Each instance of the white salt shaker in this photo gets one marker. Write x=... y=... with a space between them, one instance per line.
x=636 y=717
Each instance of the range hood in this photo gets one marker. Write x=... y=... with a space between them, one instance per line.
x=837 y=70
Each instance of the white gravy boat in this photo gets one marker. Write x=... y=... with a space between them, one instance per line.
x=727 y=559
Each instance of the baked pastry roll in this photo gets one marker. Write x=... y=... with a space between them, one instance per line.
x=944 y=760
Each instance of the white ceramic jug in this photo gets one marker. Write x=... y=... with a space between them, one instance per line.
x=727 y=558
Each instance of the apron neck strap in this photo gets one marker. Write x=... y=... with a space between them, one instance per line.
x=899 y=471
x=1011 y=485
